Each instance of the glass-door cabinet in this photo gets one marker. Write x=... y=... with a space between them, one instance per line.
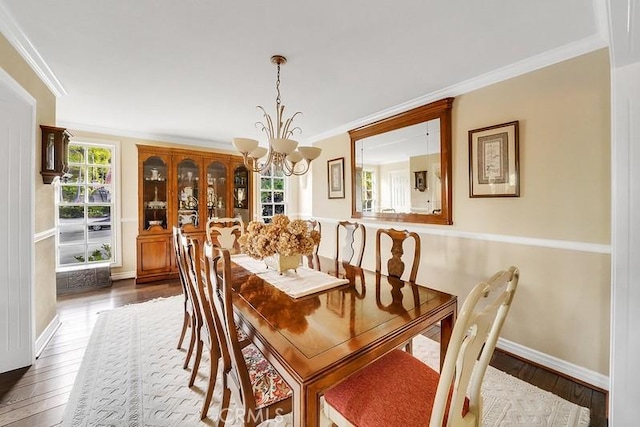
x=155 y=193
x=217 y=190
x=241 y=193
x=188 y=193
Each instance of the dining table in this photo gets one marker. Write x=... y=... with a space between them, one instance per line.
x=317 y=340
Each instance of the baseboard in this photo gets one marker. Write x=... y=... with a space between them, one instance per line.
x=553 y=363
x=47 y=334
x=123 y=275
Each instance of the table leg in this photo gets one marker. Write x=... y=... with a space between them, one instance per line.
x=446 y=327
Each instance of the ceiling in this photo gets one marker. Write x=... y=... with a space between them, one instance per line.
x=192 y=71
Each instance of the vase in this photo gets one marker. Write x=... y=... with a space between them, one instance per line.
x=282 y=263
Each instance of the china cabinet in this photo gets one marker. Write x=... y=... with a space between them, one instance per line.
x=184 y=188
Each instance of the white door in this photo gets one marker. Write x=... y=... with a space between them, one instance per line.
x=16 y=225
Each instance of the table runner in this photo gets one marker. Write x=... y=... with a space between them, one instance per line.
x=302 y=282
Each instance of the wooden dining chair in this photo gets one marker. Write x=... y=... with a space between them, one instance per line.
x=395 y=265
x=313 y=261
x=191 y=319
x=400 y=390
x=248 y=376
x=224 y=232
x=348 y=253
x=206 y=336
x=188 y=311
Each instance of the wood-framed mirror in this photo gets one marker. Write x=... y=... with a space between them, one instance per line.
x=401 y=166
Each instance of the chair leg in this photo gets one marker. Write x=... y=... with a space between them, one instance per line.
x=213 y=371
x=196 y=363
x=192 y=341
x=224 y=407
x=409 y=347
x=185 y=325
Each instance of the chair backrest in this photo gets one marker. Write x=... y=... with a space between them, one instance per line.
x=190 y=286
x=395 y=265
x=193 y=256
x=348 y=253
x=312 y=259
x=218 y=270
x=177 y=235
x=473 y=340
x=224 y=232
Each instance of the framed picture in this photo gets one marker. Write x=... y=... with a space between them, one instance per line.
x=335 y=177
x=493 y=161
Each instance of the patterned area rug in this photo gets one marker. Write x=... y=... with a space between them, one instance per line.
x=132 y=375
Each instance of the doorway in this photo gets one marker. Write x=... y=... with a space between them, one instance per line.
x=17 y=142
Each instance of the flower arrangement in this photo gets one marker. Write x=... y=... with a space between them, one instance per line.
x=282 y=236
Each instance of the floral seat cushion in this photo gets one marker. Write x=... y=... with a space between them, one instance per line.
x=242 y=336
x=268 y=386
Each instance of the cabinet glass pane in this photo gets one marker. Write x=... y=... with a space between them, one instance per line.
x=188 y=193
x=216 y=190
x=155 y=194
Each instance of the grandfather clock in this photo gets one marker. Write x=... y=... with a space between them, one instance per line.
x=54 y=152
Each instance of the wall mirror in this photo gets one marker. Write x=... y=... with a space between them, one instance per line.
x=401 y=166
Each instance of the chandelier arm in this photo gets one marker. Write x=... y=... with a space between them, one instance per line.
x=279 y=113
x=307 y=164
x=252 y=164
x=287 y=124
x=268 y=128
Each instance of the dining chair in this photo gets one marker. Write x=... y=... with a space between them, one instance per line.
x=247 y=375
x=224 y=232
x=186 y=322
x=206 y=336
x=395 y=265
x=313 y=261
x=191 y=317
x=400 y=390
x=347 y=253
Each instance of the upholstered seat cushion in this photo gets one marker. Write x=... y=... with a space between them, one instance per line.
x=268 y=386
x=395 y=390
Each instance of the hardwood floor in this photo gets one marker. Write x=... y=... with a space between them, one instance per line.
x=37 y=396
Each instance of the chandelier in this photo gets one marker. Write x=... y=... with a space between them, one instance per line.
x=282 y=153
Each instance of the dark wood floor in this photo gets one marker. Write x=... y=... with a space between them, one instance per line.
x=37 y=396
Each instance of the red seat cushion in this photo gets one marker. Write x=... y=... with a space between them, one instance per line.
x=395 y=390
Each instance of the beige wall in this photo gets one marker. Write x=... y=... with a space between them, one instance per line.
x=45 y=286
x=562 y=306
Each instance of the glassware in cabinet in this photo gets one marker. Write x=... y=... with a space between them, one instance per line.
x=154 y=172
x=188 y=187
x=216 y=190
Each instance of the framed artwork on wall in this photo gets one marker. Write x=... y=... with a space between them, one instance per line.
x=493 y=161
x=335 y=178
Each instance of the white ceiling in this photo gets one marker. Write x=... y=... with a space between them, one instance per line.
x=193 y=71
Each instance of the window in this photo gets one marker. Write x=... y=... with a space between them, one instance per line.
x=86 y=206
x=272 y=191
x=368 y=193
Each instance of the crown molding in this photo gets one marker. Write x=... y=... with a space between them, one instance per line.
x=527 y=65
x=148 y=136
x=19 y=40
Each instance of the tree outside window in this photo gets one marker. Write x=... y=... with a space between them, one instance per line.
x=85 y=205
x=272 y=194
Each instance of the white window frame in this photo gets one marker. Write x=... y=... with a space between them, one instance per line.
x=116 y=207
x=285 y=191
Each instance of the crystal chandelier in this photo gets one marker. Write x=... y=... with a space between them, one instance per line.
x=282 y=152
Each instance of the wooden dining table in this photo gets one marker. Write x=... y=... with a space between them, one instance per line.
x=316 y=341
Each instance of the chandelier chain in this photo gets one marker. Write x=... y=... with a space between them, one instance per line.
x=278 y=86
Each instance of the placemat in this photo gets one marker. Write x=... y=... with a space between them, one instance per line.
x=302 y=282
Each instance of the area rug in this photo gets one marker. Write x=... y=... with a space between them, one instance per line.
x=132 y=375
